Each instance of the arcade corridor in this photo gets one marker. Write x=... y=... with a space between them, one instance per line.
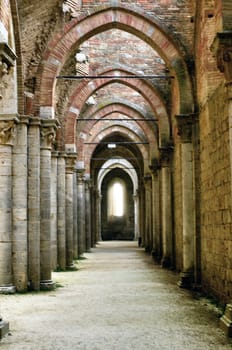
x=117 y=300
x=115 y=124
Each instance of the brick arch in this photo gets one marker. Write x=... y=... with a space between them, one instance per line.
x=123 y=164
x=119 y=109
x=89 y=149
x=101 y=127
x=103 y=18
x=117 y=101
x=87 y=88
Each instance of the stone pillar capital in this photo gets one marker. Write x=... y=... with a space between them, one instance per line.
x=165 y=156
x=70 y=162
x=62 y=154
x=222 y=49
x=7 y=128
x=147 y=179
x=184 y=126
x=7 y=59
x=24 y=119
x=48 y=132
x=88 y=181
x=55 y=154
x=34 y=121
x=7 y=56
x=80 y=175
x=155 y=166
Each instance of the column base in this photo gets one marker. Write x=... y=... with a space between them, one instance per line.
x=156 y=256
x=165 y=262
x=7 y=289
x=47 y=285
x=226 y=321
x=148 y=249
x=71 y=267
x=4 y=328
x=186 y=280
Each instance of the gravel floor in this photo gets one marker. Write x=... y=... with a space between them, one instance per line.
x=118 y=299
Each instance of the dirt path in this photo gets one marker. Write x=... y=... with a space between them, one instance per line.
x=118 y=299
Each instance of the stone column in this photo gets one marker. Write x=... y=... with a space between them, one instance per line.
x=81 y=212
x=166 y=208
x=69 y=200
x=48 y=134
x=54 y=176
x=136 y=218
x=184 y=123
x=19 y=206
x=98 y=216
x=61 y=213
x=34 y=203
x=93 y=216
x=142 y=215
x=157 y=241
x=87 y=213
x=222 y=48
x=75 y=238
x=148 y=214
x=7 y=136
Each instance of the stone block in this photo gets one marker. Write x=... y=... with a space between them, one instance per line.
x=4 y=328
x=226 y=321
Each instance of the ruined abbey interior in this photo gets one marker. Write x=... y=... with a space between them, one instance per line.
x=116 y=124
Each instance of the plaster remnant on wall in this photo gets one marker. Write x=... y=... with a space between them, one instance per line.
x=47 y=112
x=54 y=61
x=70 y=147
x=74 y=110
x=91 y=101
x=83 y=135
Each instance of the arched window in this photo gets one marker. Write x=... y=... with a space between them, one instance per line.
x=116 y=199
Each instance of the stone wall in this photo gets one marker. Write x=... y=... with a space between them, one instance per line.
x=177 y=212
x=215 y=175
x=216 y=197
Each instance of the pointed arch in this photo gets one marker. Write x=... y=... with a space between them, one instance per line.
x=147 y=29
x=142 y=147
x=87 y=88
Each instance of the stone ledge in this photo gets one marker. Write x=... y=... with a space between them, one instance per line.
x=226 y=320
x=186 y=280
x=7 y=55
x=47 y=285
x=4 y=328
x=7 y=289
